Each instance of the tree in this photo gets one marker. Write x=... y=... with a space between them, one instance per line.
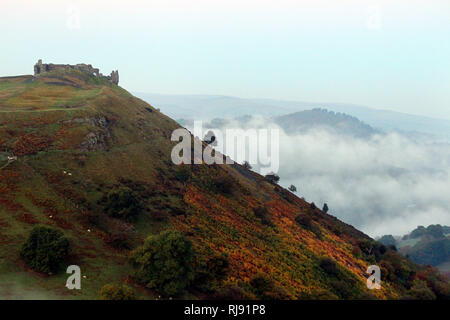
x=164 y=262
x=272 y=177
x=247 y=165
x=115 y=292
x=325 y=208
x=123 y=203
x=292 y=188
x=45 y=250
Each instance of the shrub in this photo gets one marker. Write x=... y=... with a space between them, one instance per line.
x=329 y=266
x=266 y=288
x=123 y=203
x=45 y=250
x=115 y=292
x=211 y=272
x=119 y=241
x=304 y=220
x=183 y=173
x=272 y=177
x=164 y=261
x=344 y=288
x=263 y=214
x=247 y=165
x=224 y=184
x=292 y=188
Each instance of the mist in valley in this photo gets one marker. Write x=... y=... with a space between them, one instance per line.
x=384 y=183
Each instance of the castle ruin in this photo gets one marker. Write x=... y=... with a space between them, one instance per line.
x=40 y=68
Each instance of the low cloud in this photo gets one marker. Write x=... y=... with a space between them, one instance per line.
x=384 y=184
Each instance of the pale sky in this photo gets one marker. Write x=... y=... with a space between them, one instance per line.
x=389 y=54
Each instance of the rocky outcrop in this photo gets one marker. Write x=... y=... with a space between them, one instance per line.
x=98 y=138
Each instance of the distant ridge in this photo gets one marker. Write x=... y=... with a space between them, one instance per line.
x=207 y=107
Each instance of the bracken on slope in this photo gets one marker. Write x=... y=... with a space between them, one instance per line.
x=78 y=137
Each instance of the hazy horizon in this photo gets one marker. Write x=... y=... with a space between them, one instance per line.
x=382 y=54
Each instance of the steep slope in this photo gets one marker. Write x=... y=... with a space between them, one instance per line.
x=77 y=137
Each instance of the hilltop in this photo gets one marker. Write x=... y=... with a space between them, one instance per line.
x=79 y=138
x=340 y=123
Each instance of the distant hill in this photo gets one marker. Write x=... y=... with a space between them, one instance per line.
x=207 y=107
x=426 y=246
x=321 y=118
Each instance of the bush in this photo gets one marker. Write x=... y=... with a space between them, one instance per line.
x=343 y=288
x=272 y=178
x=211 y=273
x=119 y=241
x=183 y=173
x=305 y=221
x=164 y=262
x=292 y=188
x=329 y=266
x=266 y=289
x=263 y=214
x=123 y=203
x=45 y=250
x=114 y=292
x=224 y=184
x=247 y=165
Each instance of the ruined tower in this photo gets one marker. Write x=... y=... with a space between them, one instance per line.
x=115 y=77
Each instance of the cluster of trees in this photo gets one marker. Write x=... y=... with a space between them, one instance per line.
x=165 y=263
x=45 y=250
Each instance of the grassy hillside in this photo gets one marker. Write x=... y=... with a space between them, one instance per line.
x=78 y=138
